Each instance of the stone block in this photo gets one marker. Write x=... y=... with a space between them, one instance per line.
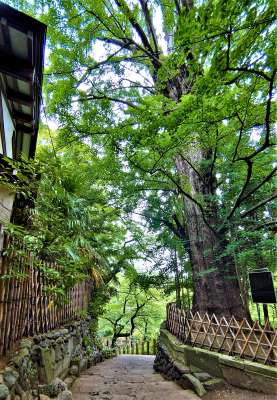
x=65 y=395
x=74 y=370
x=202 y=376
x=181 y=367
x=27 y=396
x=262 y=369
x=58 y=353
x=83 y=364
x=204 y=359
x=172 y=346
x=47 y=372
x=194 y=383
x=213 y=384
x=249 y=380
x=39 y=361
x=18 y=389
x=237 y=372
x=193 y=369
x=18 y=359
x=4 y=392
x=70 y=348
x=69 y=381
x=43 y=397
x=25 y=344
x=10 y=376
x=234 y=362
x=54 y=388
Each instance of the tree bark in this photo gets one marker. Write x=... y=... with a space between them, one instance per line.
x=177 y=281
x=216 y=288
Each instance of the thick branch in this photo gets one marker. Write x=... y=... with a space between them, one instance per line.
x=174 y=229
x=271 y=226
x=254 y=71
x=260 y=204
x=240 y=196
x=149 y=23
x=104 y=97
x=270 y=79
x=266 y=179
x=178 y=186
x=134 y=316
x=177 y=5
x=128 y=13
x=124 y=42
x=187 y=195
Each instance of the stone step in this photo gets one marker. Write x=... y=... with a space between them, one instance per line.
x=202 y=376
x=213 y=384
x=188 y=381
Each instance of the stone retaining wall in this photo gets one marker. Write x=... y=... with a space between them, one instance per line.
x=202 y=369
x=46 y=365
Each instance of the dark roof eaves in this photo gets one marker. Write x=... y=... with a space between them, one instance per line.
x=27 y=22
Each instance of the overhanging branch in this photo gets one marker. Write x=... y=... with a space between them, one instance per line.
x=260 y=204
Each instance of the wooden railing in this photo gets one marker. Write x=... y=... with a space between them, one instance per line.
x=27 y=303
x=225 y=335
x=132 y=346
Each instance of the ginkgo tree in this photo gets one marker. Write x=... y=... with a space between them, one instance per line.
x=180 y=104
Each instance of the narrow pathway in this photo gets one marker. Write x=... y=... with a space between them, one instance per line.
x=127 y=377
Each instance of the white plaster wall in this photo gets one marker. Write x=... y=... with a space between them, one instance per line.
x=8 y=126
x=6 y=205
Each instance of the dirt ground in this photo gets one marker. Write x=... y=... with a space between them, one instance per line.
x=232 y=393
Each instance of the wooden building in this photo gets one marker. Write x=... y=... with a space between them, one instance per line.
x=22 y=44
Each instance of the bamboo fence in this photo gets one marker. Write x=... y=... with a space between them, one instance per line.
x=141 y=347
x=27 y=304
x=226 y=335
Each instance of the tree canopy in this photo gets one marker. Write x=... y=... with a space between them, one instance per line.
x=174 y=102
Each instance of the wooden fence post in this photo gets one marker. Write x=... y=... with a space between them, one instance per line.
x=26 y=309
x=154 y=346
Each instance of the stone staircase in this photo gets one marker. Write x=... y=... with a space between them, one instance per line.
x=187 y=377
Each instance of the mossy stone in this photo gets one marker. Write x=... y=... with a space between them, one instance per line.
x=4 y=391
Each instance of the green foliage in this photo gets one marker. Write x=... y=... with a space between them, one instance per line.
x=133 y=310
x=72 y=224
x=136 y=111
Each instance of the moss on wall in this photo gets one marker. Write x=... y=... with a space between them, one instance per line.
x=182 y=360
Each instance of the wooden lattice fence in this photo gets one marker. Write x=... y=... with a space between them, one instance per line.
x=226 y=335
x=27 y=304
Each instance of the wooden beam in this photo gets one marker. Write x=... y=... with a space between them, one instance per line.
x=2 y=128
x=19 y=116
x=21 y=98
x=24 y=129
x=16 y=67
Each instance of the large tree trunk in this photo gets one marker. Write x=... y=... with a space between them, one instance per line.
x=216 y=288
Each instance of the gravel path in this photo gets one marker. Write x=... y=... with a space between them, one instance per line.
x=127 y=378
